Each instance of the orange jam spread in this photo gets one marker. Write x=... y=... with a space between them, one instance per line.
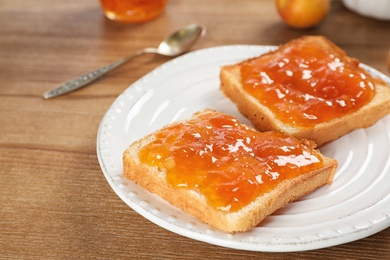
x=226 y=161
x=305 y=84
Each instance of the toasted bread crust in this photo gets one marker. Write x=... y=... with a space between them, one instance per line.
x=194 y=203
x=264 y=120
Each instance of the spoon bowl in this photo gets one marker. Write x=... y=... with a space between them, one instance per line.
x=176 y=44
x=180 y=41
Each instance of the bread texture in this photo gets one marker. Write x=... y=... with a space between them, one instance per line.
x=193 y=202
x=264 y=119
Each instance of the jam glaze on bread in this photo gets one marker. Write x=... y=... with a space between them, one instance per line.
x=224 y=173
x=308 y=88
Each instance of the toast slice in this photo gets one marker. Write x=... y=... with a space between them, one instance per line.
x=325 y=112
x=224 y=173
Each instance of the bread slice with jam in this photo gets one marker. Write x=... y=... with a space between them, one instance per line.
x=308 y=88
x=224 y=173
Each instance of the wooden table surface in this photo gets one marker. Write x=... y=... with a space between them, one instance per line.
x=55 y=202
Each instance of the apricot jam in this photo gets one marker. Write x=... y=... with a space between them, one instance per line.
x=305 y=84
x=226 y=161
x=133 y=11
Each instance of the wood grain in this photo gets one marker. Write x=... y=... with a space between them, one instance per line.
x=54 y=200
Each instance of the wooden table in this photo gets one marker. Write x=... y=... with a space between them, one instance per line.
x=55 y=202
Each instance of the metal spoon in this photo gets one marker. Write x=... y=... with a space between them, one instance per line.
x=177 y=43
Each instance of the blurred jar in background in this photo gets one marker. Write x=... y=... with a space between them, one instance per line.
x=132 y=11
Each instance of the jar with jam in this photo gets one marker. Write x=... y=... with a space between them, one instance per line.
x=133 y=11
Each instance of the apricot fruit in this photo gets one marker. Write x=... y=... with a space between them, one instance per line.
x=302 y=14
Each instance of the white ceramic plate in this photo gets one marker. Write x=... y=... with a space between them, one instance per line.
x=355 y=206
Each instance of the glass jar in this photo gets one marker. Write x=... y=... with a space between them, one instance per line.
x=132 y=11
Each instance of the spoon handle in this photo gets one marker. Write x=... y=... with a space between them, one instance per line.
x=89 y=77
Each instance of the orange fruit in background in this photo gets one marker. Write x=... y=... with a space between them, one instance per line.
x=303 y=13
